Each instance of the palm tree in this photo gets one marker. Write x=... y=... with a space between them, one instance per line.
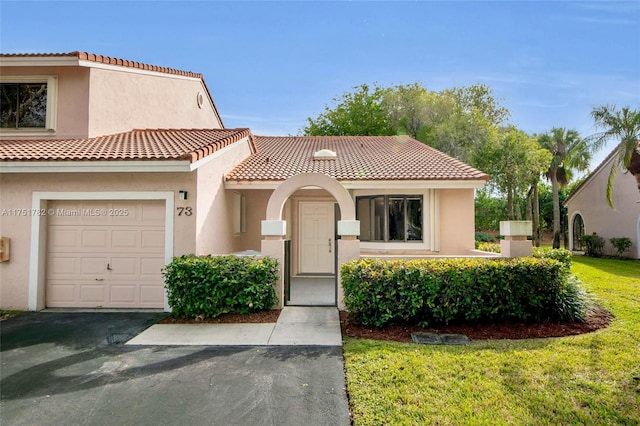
x=622 y=125
x=569 y=152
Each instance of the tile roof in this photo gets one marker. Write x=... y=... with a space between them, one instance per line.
x=358 y=158
x=149 y=144
x=92 y=57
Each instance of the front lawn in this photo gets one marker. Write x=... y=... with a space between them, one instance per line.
x=587 y=379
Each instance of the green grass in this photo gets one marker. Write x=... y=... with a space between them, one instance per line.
x=8 y=314
x=589 y=379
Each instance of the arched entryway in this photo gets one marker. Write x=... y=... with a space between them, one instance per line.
x=577 y=231
x=345 y=247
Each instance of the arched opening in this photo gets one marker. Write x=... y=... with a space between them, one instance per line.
x=577 y=229
x=322 y=234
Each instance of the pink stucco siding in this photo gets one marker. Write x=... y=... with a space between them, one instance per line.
x=121 y=101
x=590 y=202
x=94 y=102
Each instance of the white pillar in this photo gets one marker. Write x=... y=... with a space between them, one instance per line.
x=515 y=243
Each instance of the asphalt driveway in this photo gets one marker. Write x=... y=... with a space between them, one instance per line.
x=73 y=368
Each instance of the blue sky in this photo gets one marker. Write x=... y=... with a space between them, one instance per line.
x=270 y=65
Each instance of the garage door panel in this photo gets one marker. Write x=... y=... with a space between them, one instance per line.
x=94 y=266
x=151 y=266
x=125 y=266
x=127 y=213
x=94 y=238
x=63 y=294
x=63 y=265
x=92 y=295
x=153 y=214
x=125 y=239
x=108 y=261
x=63 y=238
x=151 y=294
x=123 y=294
x=153 y=239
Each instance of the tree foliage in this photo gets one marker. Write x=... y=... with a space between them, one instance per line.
x=455 y=121
x=467 y=123
x=359 y=113
x=514 y=161
x=624 y=126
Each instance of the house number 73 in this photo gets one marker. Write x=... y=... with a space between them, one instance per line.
x=185 y=211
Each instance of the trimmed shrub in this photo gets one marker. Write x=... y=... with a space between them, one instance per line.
x=593 y=245
x=489 y=247
x=483 y=237
x=561 y=255
x=210 y=286
x=622 y=245
x=440 y=291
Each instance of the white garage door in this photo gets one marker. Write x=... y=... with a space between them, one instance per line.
x=105 y=254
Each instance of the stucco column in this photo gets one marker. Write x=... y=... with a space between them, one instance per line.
x=273 y=247
x=515 y=243
x=348 y=249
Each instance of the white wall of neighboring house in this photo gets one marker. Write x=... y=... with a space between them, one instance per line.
x=591 y=203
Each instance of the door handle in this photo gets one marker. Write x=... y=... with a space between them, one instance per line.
x=109 y=267
x=329 y=245
x=99 y=279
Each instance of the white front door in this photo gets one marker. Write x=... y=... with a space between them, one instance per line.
x=316 y=237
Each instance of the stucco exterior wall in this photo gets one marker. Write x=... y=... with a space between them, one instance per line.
x=122 y=100
x=591 y=203
x=255 y=212
x=215 y=207
x=72 y=101
x=16 y=193
x=454 y=222
x=457 y=221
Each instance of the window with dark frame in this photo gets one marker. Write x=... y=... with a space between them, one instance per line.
x=390 y=218
x=23 y=105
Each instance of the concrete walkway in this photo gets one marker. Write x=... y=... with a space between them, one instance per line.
x=296 y=326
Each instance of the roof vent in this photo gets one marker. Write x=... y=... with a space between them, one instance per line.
x=325 y=154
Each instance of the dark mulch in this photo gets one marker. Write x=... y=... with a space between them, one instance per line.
x=596 y=319
x=255 y=317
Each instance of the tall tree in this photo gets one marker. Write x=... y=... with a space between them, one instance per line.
x=360 y=113
x=622 y=125
x=411 y=108
x=479 y=98
x=514 y=161
x=569 y=152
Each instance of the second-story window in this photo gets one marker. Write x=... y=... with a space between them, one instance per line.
x=23 y=105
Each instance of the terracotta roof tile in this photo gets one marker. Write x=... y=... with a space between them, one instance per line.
x=104 y=60
x=149 y=144
x=358 y=158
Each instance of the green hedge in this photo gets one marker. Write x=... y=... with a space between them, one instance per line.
x=213 y=285
x=440 y=291
x=561 y=255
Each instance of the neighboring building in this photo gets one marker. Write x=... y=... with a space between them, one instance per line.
x=588 y=211
x=122 y=166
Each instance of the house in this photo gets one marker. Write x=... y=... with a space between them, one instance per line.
x=109 y=168
x=589 y=212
